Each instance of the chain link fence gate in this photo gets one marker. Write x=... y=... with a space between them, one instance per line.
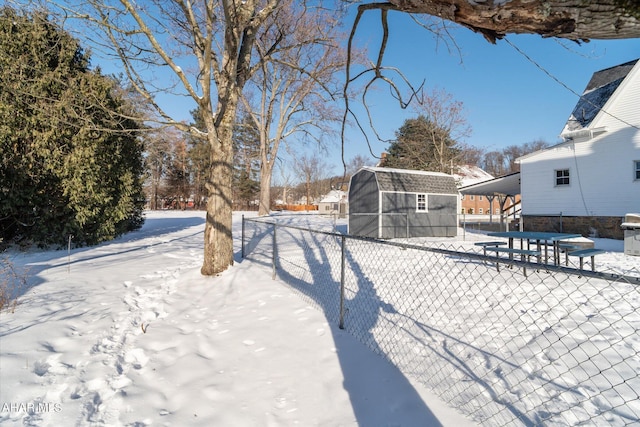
x=557 y=347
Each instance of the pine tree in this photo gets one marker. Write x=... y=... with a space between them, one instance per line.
x=421 y=145
x=71 y=159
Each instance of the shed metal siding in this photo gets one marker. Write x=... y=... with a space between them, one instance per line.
x=383 y=204
x=363 y=204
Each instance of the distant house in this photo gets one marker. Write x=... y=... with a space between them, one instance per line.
x=587 y=183
x=335 y=202
x=392 y=203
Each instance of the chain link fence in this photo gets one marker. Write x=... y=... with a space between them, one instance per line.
x=559 y=346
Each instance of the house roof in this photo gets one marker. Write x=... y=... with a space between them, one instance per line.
x=507 y=185
x=334 y=196
x=602 y=85
x=412 y=181
x=467 y=175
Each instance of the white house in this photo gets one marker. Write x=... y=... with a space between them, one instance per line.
x=587 y=183
x=335 y=202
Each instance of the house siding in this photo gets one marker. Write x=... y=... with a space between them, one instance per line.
x=602 y=184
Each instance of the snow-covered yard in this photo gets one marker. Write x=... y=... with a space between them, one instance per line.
x=129 y=333
x=554 y=347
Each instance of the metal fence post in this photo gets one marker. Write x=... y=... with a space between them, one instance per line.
x=273 y=256
x=342 y=266
x=242 y=236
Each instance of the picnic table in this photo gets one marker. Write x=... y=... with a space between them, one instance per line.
x=545 y=239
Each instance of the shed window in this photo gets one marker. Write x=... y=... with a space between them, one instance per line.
x=636 y=165
x=562 y=177
x=421 y=202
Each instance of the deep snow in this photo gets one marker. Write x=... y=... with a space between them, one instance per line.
x=129 y=333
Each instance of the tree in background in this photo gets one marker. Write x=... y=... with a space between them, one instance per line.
x=178 y=191
x=503 y=162
x=246 y=162
x=421 y=145
x=294 y=89
x=313 y=170
x=71 y=160
x=157 y=157
x=448 y=127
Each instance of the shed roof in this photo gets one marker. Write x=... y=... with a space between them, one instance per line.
x=412 y=181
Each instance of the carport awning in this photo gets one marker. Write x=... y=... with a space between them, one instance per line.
x=507 y=185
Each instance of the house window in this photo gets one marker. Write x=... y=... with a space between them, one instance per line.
x=480 y=211
x=480 y=198
x=497 y=211
x=562 y=177
x=471 y=197
x=422 y=202
x=636 y=165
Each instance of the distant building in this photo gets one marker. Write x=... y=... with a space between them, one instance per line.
x=335 y=202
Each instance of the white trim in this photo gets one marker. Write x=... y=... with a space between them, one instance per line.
x=556 y=177
x=426 y=203
x=583 y=134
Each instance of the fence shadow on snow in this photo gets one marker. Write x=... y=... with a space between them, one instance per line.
x=556 y=347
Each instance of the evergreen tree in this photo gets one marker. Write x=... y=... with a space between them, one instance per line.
x=422 y=145
x=246 y=162
x=71 y=161
x=200 y=159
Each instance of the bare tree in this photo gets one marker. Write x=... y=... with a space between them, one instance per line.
x=469 y=155
x=158 y=153
x=493 y=163
x=312 y=169
x=356 y=163
x=449 y=123
x=209 y=47
x=295 y=89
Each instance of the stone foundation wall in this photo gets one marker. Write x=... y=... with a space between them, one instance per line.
x=607 y=227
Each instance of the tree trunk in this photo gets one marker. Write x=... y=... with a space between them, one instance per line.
x=218 y=239
x=266 y=168
x=569 y=19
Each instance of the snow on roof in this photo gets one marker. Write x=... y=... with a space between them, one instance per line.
x=468 y=175
x=406 y=171
x=334 y=196
x=413 y=181
x=602 y=85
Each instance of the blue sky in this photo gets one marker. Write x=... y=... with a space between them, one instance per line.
x=508 y=99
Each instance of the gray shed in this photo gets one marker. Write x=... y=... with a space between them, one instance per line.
x=391 y=203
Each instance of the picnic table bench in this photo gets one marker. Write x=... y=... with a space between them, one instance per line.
x=524 y=253
x=566 y=248
x=582 y=253
x=489 y=244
